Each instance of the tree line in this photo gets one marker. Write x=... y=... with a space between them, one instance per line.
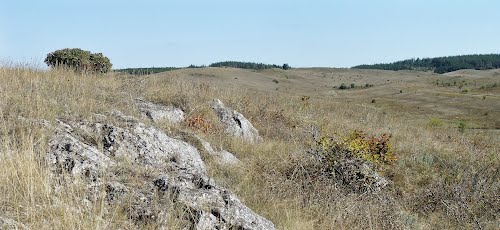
x=441 y=64
x=231 y=64
x=245 y=65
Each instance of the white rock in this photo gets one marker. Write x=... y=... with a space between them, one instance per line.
x=176 y=172
x=222 y=157
x=157 y=112
x=235 y=123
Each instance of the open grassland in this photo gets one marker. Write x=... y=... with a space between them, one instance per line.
x=444 y=177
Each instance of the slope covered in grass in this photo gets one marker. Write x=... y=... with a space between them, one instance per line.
x=442 y=178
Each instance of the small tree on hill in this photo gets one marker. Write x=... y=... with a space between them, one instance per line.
x=286 y=66
x=79 y=60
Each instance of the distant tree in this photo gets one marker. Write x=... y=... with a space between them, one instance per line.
x=286 y=66
x=441 y=64
x=244 y=65
x=79 y=60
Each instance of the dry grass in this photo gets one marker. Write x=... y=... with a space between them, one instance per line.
x=442 y=179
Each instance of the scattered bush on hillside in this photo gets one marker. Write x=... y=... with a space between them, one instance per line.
x=353 y=86
x=462 y=126
x=355 y=159
x=286 y=66
x=489 y=86
x=79 y=60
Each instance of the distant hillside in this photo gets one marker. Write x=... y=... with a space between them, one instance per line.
x=441 y=64
x=244 y=65
x=232 y=64
x=145 y=71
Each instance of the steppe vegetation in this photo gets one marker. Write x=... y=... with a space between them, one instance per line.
x=442 y=173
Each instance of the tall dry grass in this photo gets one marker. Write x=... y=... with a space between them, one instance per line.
x=442 y=179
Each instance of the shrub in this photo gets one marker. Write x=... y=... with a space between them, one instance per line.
x=353 y=85
x=100 y=63
x=355 y=159
x=79 y=60
x=343 y=86
x=199 y=123
x=436 y=122
x=286 y=66
x=462 y=126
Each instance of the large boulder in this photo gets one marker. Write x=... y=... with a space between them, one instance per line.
x=235 y=123
x=100 y=154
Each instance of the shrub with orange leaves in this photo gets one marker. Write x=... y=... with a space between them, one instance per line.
x=199 y=123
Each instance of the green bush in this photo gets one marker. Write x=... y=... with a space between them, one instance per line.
x=343 y=86
x=79 y=60
x=462 y=126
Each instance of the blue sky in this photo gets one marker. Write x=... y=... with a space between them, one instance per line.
x=301 y=33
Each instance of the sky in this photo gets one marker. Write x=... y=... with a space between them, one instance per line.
x=305 y=33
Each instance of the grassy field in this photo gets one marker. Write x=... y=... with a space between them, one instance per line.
x=467 y=95
x=445 y=136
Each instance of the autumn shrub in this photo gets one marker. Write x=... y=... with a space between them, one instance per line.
x=374 y=150
x=197 y=122
x=356 y=160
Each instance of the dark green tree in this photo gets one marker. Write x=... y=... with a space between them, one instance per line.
x=79 y=60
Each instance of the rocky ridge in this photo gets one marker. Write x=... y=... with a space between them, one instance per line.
x=101 y=153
